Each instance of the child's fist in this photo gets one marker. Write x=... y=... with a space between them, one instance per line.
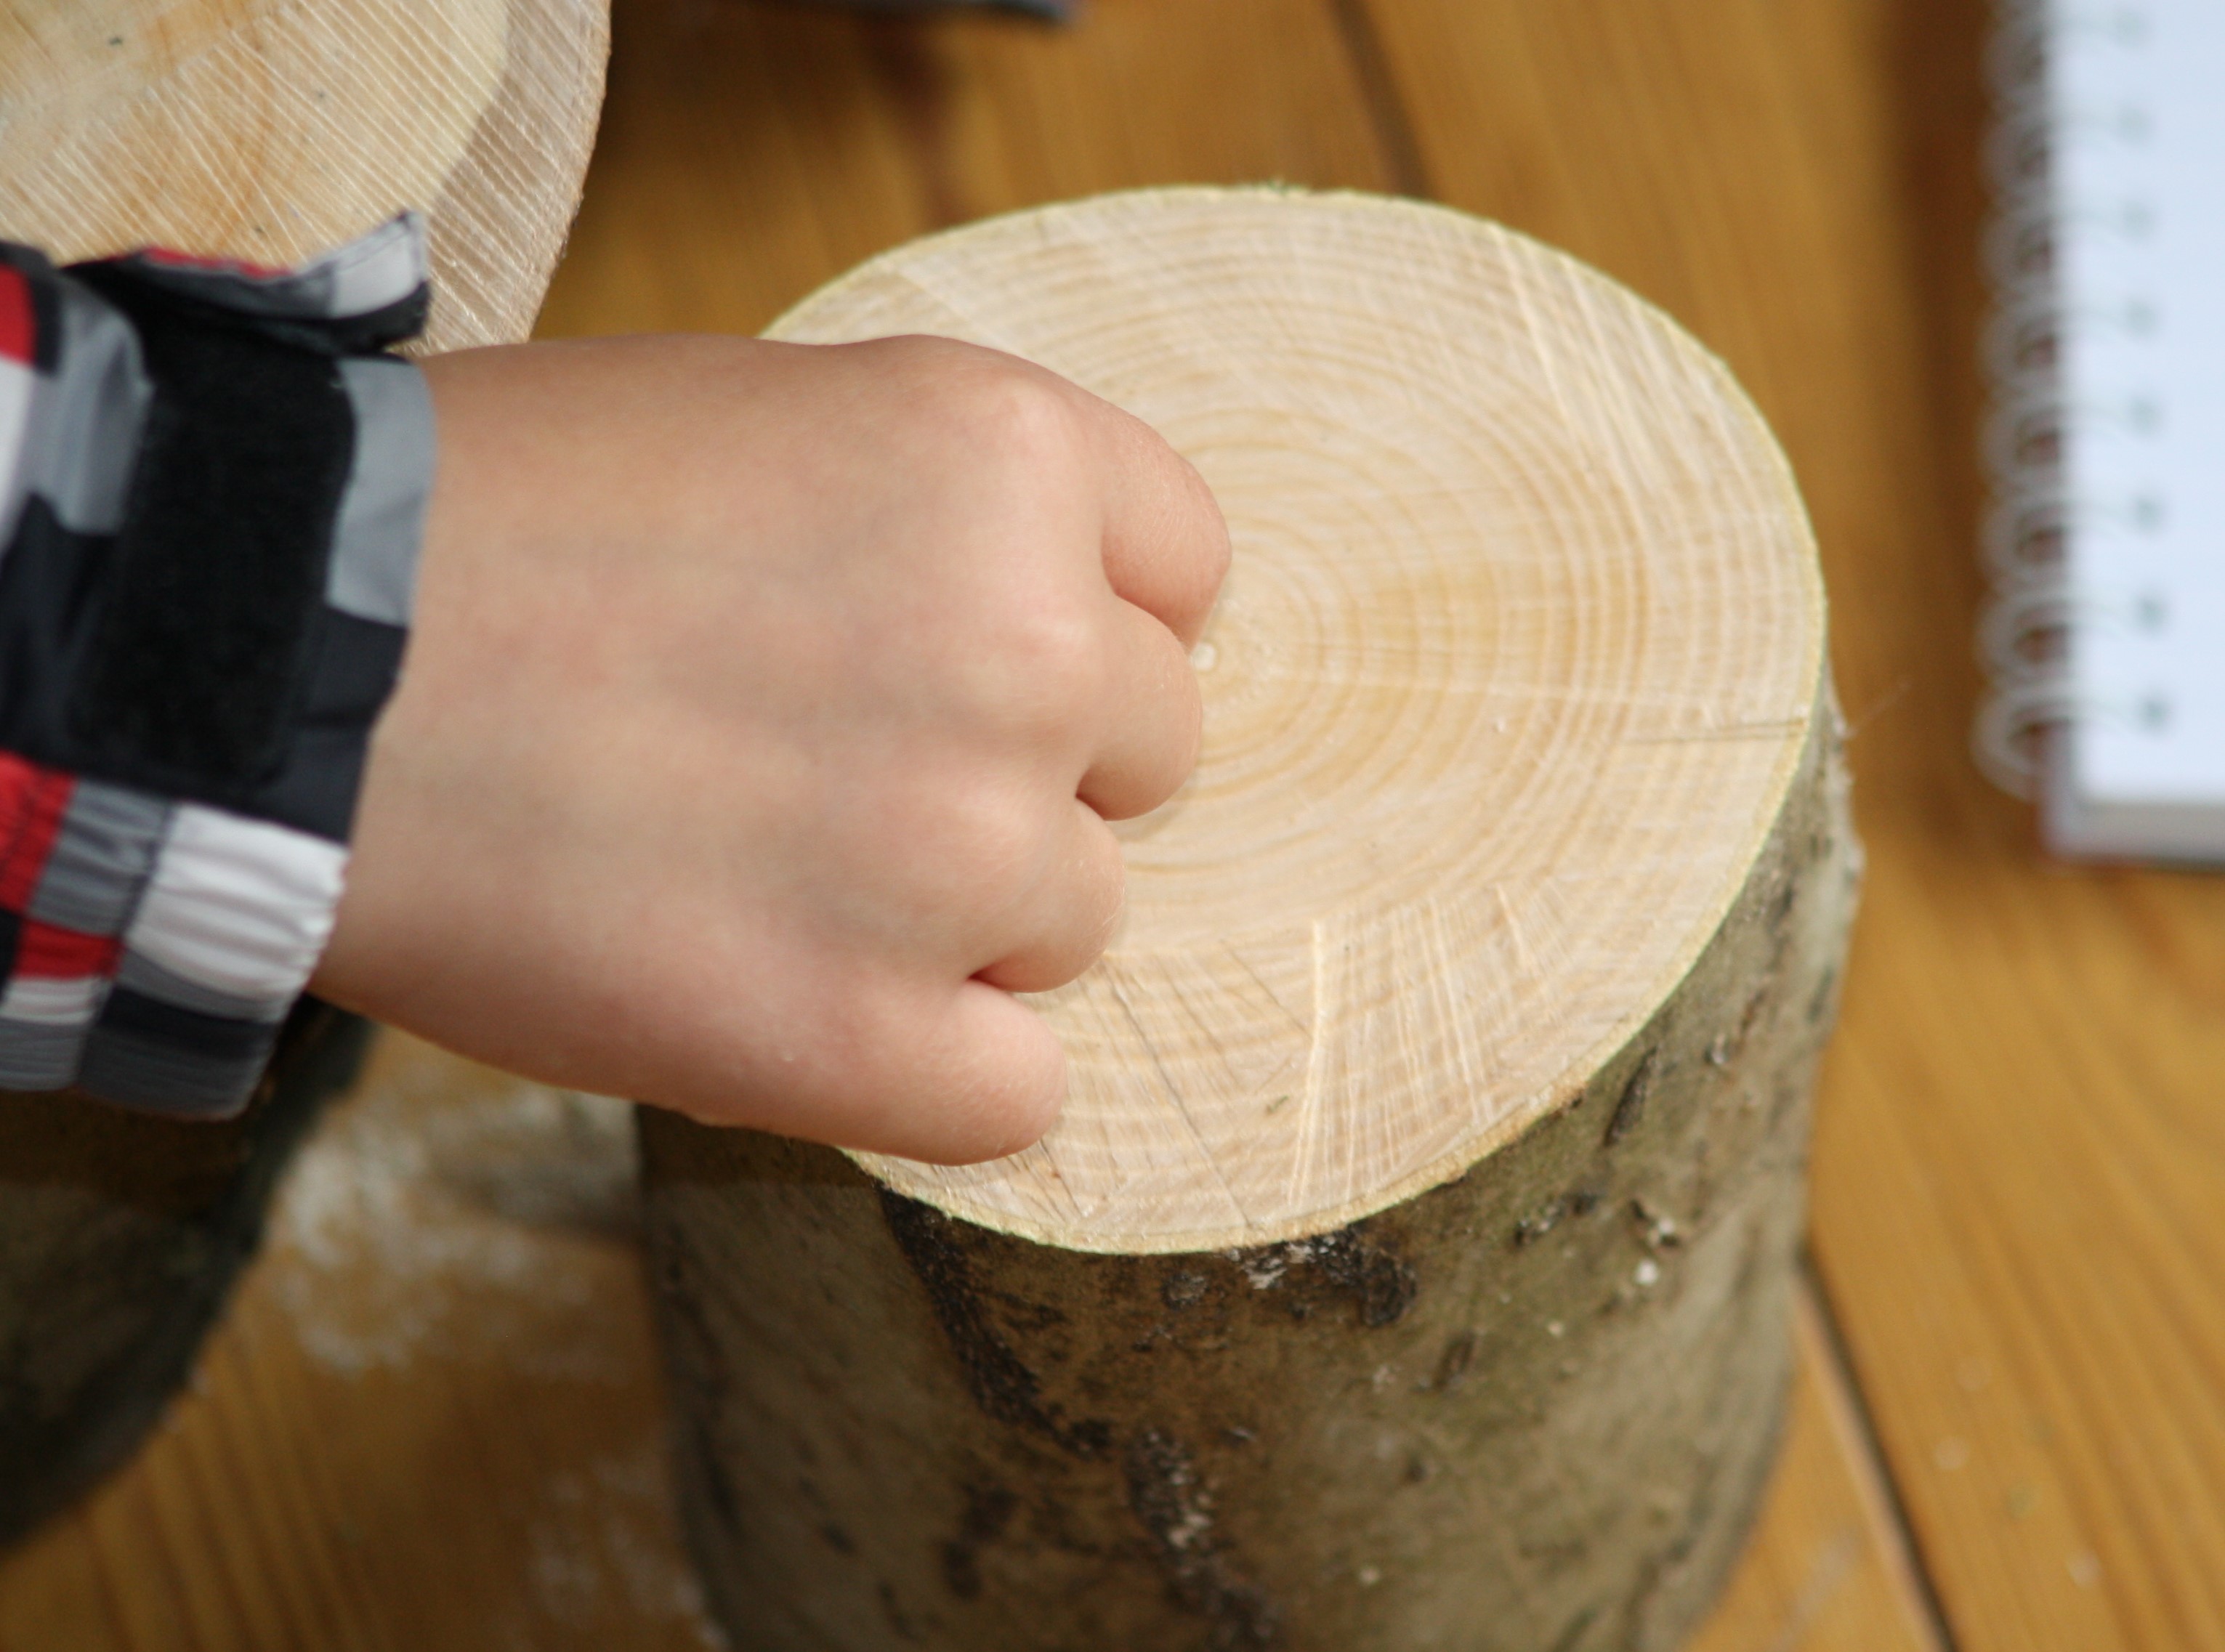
x=762 y=713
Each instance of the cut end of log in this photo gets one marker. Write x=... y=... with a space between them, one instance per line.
x=1516 y=664
x=271 y=131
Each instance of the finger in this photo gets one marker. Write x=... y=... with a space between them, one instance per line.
x=951 y=1072
x=1165 y=544
x=1155 y=719
x=981 y=1077
x=1063 y=926
x=1010 y=1079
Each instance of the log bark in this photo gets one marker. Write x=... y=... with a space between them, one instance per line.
x=1487 y=1348
x=268 y=130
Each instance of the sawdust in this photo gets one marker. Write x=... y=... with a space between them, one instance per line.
x=419 y=1222
x=605 y=1545
x=459 y=1250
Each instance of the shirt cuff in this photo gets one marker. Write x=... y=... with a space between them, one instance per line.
x=191 y=660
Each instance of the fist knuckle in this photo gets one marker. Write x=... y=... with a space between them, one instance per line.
x=998 y=838
x=1031 y=669
x=1011 y=419
x=1054 y=665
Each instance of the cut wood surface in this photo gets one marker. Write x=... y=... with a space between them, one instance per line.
x=1519 y=654
x=269 y=131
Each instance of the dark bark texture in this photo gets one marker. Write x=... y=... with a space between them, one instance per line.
x=1530 y=1410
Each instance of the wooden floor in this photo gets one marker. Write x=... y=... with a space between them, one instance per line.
x=431 y=1422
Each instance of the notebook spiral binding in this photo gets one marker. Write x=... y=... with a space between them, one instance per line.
x=2025 y=630
x=2022 y=630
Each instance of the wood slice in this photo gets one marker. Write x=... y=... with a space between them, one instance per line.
x=1410 y=1267
x=271 y=129
x=267 y=131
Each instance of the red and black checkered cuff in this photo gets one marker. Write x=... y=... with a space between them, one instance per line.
x=213 y=487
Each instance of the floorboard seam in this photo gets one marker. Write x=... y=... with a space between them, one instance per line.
x=1850 y=1395
x=1378 y=89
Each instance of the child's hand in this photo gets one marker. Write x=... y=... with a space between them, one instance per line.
x=764 y=709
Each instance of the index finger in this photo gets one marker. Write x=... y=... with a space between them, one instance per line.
x=1165 y=544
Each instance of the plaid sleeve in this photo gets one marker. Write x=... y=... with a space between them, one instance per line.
x=213 y=488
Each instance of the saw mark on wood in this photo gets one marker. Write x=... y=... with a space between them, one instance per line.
x=1452 y=1007
x=1523 y=955
x=1211 y=1160
x=1771 y=731
x=1308 y=1126
x=1260 y=981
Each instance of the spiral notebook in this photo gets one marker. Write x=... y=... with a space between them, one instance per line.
x=2106 y=635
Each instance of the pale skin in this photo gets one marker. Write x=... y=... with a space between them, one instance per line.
x=759 y=726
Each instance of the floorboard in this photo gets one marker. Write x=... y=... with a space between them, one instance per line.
x=751 y=152
x=1830 y=1569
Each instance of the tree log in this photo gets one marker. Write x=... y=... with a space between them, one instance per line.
x=1411 y=1267
x=268 y=130
x=271 y=129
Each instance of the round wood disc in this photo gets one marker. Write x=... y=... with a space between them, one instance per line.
x=1521 y=645
x=269 y=131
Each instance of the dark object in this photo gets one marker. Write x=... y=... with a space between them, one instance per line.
x=120 y=1237
x=203 y=647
